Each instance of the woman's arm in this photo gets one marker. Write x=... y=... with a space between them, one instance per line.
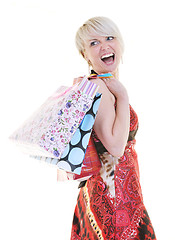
x=112 y=126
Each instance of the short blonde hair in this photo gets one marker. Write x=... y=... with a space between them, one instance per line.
x=101 y=26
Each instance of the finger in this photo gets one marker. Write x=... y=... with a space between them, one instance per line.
x=77 y=80
x=105 y=80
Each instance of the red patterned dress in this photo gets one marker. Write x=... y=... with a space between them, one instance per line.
x=110 y=204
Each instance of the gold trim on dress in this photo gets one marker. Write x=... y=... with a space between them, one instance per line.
x=91 y=216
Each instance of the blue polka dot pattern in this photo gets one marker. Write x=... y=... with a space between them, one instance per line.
x=66 y=151
x=64 y=165
x=85 y=140
x=88 y=122
x=72 y=158
x=76 y=137
x=96 y=106
x=76 y=156
x=77 y=170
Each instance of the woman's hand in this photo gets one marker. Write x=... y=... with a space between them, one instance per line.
x=77 y=80
x=115 y=87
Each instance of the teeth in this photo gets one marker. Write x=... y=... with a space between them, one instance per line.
x=107 y=55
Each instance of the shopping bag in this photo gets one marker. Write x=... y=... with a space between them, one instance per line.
x=91 y=164
x=72 y=159
x=49 y=130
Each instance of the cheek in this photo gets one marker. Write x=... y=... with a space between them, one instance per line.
x=93 y=54
x=116 y=46
x=118 y=51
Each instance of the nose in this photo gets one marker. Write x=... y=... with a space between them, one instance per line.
x=105 y=45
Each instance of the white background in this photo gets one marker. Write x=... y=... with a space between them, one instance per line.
x=37 y=55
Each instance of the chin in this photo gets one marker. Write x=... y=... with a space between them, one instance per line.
x=104 y=68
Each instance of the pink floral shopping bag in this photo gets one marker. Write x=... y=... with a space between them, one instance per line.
x=48 y=132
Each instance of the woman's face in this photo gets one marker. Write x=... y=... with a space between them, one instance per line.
x=103 y=53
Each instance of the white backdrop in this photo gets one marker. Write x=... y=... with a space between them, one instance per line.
x=37 y=55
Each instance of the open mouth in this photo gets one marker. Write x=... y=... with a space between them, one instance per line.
x=108 y=58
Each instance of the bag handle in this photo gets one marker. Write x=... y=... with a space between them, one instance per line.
x=105 y=75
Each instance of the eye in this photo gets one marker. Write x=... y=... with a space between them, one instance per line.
x=109 y=38
x=93 y=43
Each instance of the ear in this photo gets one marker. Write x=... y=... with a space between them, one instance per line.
x=84 y=54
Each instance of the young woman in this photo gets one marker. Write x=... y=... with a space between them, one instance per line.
x=110 y=204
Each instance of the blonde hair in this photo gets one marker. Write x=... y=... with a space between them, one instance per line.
x=101 y=26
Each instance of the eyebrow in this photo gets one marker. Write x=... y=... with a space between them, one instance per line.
x=97 y=39
x=94 y=39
